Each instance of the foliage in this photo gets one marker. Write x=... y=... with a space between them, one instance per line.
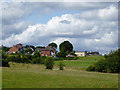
x=61 y=54
x=73 y=53
x=54 y=45
x=5 y=49
x=36 y=60
x=110 y=64
x=66 y=47
x=49 y=62
x=29 y=50
x=40 y=47
x=37 y=54
x=61 y=66
x=5 y=62
x=22 y=58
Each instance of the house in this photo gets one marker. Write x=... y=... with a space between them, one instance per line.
x=81 y=53
x=93 y=53
x=46 y=51
x=15 y=48
x=28 y=49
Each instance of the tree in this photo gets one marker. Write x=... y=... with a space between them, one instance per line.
x=49 y=62
x=29 y=50
x=27 y=46
x=66 y=47
x=37 y=54
x=111 y=64
x=54 y=45
x=61 y=54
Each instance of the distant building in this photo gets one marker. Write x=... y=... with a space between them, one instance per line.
x=46 y=51
x=69 y=55
x=81 y=53
x=93 y=53
x=15 y=48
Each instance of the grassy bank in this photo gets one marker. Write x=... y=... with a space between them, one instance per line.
x=73 y=76
x=82 y=63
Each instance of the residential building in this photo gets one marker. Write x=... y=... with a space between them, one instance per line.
x=15 y=48
x=93 y=53
x=81 y=53
x=46 y=51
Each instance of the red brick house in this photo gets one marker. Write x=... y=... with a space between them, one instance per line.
x=46 y=51
x=15 y=48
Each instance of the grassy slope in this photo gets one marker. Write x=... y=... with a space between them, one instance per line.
x=36 y=76
x=82 y=63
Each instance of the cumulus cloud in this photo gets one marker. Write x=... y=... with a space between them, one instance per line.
x=93 y=30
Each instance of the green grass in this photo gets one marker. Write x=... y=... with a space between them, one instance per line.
x=0 y=78
x=73 y=76
x=82 y=63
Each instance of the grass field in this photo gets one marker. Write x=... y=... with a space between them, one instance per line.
x=73 y=76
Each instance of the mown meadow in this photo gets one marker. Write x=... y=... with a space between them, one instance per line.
x=74 y=75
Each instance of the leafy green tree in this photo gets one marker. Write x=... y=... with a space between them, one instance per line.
x=29 y=50
x=5 y=49
x=66 y=47
x=54 y=45
x=49 y=62
x=37 y=54
x=61 y=54
x=5 y=62
x=111 y=64
x=27 y=46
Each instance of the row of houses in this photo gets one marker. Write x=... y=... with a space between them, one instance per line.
x=45 y=51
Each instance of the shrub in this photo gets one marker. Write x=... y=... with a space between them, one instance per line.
x=109 y=65
x=5 y=63
x=61 y=66
x=49 y=62
x=91 y=68
x=61 y=54
x=37 y=60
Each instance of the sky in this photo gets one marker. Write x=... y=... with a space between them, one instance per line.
x=89 y=26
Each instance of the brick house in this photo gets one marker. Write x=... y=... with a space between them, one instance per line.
x=46 y=51
x=15 y=48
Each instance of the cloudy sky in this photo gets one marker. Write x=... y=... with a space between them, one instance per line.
x=90 y=26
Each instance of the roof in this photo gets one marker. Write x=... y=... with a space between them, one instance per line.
x=48 y=48
x=80 y=51
x=19 y=45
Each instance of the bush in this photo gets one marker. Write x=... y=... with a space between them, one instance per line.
x=5 y=63
x=61 y=66
x=91 y=68
x=49 y=62
x=61 y=54
x=37 y=60
x=109 y=65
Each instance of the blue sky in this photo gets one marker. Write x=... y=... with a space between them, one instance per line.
x=47 y=17
x=90 y=26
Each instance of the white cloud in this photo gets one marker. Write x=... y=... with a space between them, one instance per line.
x=86 y=33
x=108 y=13
x=93 y=31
